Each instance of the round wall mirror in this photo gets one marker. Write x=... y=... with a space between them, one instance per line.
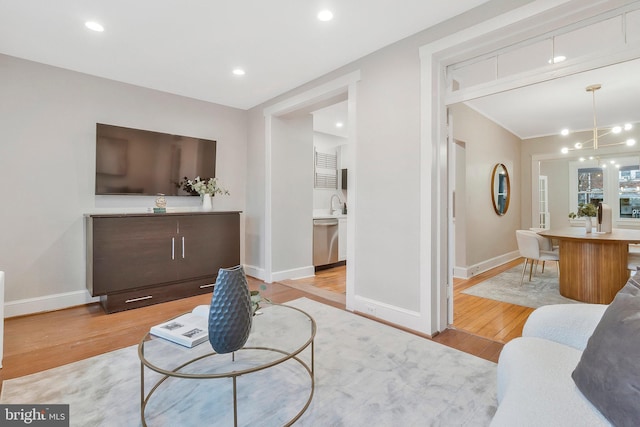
x=500 y=189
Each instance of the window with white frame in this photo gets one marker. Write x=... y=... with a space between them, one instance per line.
x=629 y=191
x=615 y=182
x=590 y=185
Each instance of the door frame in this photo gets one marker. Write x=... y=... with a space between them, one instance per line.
x=344 y=84
x=540 y=18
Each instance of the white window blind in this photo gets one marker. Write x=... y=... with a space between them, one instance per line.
x=326 y=170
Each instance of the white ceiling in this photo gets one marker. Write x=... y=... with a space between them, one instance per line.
x=545 y=108
x=190 y=47
x=325 y=120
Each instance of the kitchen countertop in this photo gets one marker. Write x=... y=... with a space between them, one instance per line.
x=329 y=216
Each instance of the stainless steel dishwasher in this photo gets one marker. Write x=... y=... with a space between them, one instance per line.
x=325 y=241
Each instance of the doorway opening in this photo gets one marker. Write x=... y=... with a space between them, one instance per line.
x=289 y=232
x=441 y=56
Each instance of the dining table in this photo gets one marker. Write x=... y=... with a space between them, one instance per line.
x=593 y=266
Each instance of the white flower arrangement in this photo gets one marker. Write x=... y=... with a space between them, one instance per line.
x=207 y=186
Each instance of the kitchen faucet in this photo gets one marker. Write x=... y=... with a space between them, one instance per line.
x=339 y=203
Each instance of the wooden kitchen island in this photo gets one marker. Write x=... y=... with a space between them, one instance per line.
x=593 y=266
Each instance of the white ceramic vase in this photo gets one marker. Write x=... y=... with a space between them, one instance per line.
x=587 y=224
x=206 y=202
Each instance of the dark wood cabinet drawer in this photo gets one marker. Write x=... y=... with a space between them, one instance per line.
x=120 y=301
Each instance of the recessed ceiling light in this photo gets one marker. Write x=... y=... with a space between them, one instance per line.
x=616 y=129
x=94 y=26
x=239 y=72
x=339 y=124
x=556 y=59
x=325 y=15
x=628 y=126
x=631 y=142
x=564 y=132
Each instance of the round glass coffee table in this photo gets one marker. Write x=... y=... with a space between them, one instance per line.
x=275 y=352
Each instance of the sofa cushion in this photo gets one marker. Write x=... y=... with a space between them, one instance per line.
x=608 y=373
x=535 y=387
x=569 y=324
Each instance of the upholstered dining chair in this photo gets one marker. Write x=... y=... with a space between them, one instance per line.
x=533 y=248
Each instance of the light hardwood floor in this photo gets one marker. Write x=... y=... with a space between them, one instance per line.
x=498 y=321
x=494 y=320
x=42 y=341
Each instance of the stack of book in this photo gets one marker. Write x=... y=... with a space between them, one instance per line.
x=189 y=329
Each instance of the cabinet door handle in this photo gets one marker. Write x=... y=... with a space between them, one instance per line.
x=210 y=285
x=173 y=248
x=138 y=299
x=182 y=247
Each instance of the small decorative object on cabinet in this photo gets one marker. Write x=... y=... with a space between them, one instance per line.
x=231 y=313
x=206 y=202
x=161 y=204
x=206 y=188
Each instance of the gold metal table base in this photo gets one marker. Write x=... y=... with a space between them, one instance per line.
x=176 y=372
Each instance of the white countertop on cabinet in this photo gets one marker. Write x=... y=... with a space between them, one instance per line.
x=330 y=216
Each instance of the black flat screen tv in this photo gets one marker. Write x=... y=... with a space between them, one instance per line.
x=142 y=162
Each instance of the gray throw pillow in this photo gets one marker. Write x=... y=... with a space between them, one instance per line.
x=608 y=373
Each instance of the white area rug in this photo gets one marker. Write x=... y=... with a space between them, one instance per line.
x=367 y=374
x=542 y=290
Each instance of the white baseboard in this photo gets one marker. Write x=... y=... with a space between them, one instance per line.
x=70 y=299
x=467 y=272
x=48 y=303
x=392 y=314
x=253 y=271
x=295 y=273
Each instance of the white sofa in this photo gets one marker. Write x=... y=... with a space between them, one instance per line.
x=535 y=387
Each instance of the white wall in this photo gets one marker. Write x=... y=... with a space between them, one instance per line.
x=388 y=170
x=460 y=208
x=47 y=158
x=255 y=232
x=488 y=235
x=292 y=200
x=44 y=108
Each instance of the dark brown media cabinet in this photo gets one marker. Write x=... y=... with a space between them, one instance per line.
x=135 y=260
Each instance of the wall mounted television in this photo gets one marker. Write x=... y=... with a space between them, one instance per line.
x=142 y=162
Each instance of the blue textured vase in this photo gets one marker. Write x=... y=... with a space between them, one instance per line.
x=230 y=314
